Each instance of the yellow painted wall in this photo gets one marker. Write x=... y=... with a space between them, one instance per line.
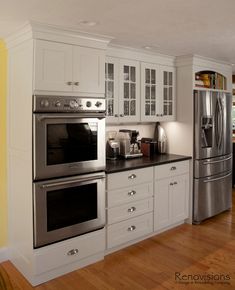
x=3 y=157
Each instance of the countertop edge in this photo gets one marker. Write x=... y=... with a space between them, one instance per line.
x=149 y=164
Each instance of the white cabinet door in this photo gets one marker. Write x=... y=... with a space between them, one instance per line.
x=150 y=92
x=88 y=70
x=129 y=94
x=111 y=89
x=179 y=198
x=167 y=91
x=53 y=66
x=162 y=209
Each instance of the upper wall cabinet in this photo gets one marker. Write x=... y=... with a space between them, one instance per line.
x=122 y=90
x=63 y=67
x=129 y=96
x=112 y=89
x=157 y=93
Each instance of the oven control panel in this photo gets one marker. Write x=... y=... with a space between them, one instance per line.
x=67 y=104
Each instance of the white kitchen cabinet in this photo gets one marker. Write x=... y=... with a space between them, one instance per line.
x=53 y=66
x=129 y=96
x=129 y=206
x=150 y=92
x=69 y=68
x=122 y=90
x=157 y=93
x=168 y=92
x=171 y=196
x=112 y=89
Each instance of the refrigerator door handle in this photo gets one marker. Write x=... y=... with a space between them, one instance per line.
x=217 y=161
x=217 y=123
x=218 y=178
x=221 y=122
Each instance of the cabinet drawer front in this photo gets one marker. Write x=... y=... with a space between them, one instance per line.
x=131 y=229
x=129 y=210
x=129 y=194
x=69 y=251
x=171 y=169
x=130 y=177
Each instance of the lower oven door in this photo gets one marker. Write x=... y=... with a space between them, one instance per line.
x=68 y=144
x=68 y=207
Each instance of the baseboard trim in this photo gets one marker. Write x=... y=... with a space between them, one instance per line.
x=4 y=254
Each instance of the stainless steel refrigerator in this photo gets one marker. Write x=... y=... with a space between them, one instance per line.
x=212 y=154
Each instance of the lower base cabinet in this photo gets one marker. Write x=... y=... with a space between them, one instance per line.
x=129 y=230
x=146 y=200
x=170 y=201
x=171 y=194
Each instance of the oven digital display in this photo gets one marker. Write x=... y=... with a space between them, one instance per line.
x=71 y=142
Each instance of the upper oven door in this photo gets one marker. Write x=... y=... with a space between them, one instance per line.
x=68 y=144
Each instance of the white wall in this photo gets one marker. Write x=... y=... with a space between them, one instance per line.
x=144 y=130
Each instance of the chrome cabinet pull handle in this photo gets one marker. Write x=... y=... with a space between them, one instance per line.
x=76 y=83
x=171 y=183
x=69 y=83
x=131 y=228
x=72 y=252
x=131 y=209
x=175 y=182
x=131 y=192
x=173 y=168
x=132 y=176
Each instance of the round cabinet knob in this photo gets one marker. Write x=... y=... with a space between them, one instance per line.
x=98 y=104
x=88 y=104
x=57 y=104
x=73 y=104
x=44 y=103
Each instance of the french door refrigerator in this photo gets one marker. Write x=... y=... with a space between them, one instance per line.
x=212 y=154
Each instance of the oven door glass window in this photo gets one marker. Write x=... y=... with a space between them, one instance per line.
x=71 y=206
x=71 y=142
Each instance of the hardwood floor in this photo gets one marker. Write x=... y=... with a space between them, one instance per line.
x=176 y=259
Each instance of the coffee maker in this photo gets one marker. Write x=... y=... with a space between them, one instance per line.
x=112 y=146
x=129 y=146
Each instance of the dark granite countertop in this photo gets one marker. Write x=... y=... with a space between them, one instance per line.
x=113 y=166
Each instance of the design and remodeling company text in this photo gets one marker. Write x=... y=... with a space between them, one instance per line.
x=203 y=278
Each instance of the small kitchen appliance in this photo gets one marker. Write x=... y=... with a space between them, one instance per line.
x=160 y=137
x=129 y=146
x=112 y=146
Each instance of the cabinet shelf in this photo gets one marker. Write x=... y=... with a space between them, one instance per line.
x=210 y=80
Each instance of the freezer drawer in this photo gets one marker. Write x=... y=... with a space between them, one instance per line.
x=212 y=195
x=212 y=166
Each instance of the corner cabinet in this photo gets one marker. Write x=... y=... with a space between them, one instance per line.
x=63 y=67
x=157 y=93
x=122 y=90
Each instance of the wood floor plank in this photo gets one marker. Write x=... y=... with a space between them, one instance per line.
x=206 y=249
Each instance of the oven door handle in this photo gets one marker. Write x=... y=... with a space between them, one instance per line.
x=44 y=117
x=72 y=181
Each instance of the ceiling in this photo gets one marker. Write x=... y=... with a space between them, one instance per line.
x=174 y=27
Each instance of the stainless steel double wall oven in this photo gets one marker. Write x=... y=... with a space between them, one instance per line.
x=68 y=167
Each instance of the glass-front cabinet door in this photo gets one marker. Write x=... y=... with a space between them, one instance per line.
x=150 y=105
x=111 y=89
x=168 y=93
x=129 y=95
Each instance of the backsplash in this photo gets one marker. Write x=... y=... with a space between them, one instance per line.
x=144 y=130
